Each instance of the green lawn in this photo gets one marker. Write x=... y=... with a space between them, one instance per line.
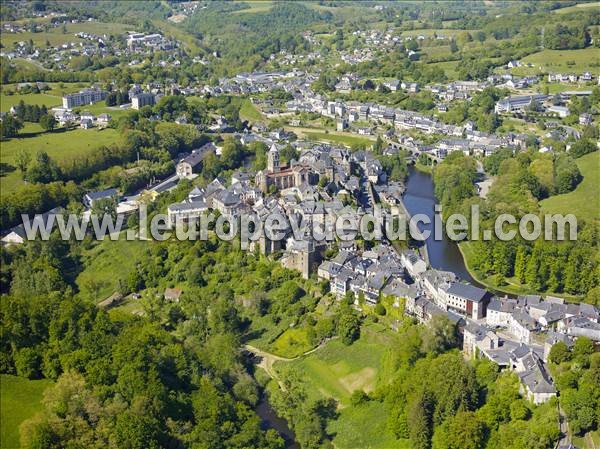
x=61 y=145
x=8 y=101
x=584 y=201
x=577 y=8
x=292 y=343
x=337 y=370
x=249 y=112
x=255 y=6
x=364 y=427
x=344 y=139
x=106 y=263
x=19 y=399
x=587 y=59
x=450 y=68
x=100 y=108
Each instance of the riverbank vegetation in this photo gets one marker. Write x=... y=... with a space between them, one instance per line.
x=522 y=180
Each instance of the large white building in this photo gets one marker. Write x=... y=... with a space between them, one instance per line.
x=140 y=100
x=84 y=97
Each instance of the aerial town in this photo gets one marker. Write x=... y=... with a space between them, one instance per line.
x=152 y=115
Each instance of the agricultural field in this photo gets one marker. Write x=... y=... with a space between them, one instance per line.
x=255 y=6
x=60 y=145
x=49 y=100
x=587 y=59
x=20 y=399
x=584 y=201
x=578 y=8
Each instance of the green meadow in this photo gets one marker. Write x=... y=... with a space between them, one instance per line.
x=249 y=112
x=587 y=59
x=341 y=138
x=8 y=101
x=336 y=370
x=20 y=399
x=61 y=145
x=106 y=263
x=584 y=201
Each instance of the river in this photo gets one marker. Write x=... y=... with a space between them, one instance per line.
x=270 y=420
x=419 y=198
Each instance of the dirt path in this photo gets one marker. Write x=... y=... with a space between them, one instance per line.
x=267 y=359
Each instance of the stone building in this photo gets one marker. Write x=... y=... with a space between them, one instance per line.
x=286 y=177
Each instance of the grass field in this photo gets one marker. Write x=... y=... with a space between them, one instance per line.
x=578 y=61
x=255 y=6
x=364 y=427
x=61 y=145
x=19 y=400
x=292 y=343
x=589 y=441
x=106 y=263
x=450 y=68
x=8 y=101
x=584 y=201
x=577 y=8
x=176 y=31
x=333 y=137
x=337 y=370
x=101 y=108
x=249 y=112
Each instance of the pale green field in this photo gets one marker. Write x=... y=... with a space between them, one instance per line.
x=61 y=145
x=105 y=263
x=337 y=370
x=562 y=61
x=292 y=343
x=584 y=201
x=255 y=6
x=364 y=427
x=8 y=101
x=339 y=138
x=450 y=67
x=249 y=112
x=577 y=8
x=20 y=399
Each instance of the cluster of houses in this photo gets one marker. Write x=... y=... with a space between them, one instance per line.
x=133 y=46
x=515 y=333
x=585 y=77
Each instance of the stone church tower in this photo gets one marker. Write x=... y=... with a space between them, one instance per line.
x=273 y=160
